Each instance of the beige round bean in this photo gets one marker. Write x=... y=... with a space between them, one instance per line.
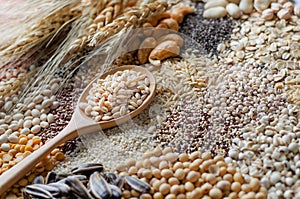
x=193 y=176
x=170 y=196
x=215 y=193
x=236 y=187
x=158 y=195
x=211 y=178
x=228 y=177
x=173 y=181
x=254 y=184
x=183 y=157
x=179 y=174
x=237 y=177
x=171 y=157
x=147 y=173
x=163 y=165
x=189 y=186
x=164 y=188
x=156 y=173
x=166 y=173
x=195 y=155
x=156 y=185
x=223 y=185
x=177 y=165
x=175 y=189
x=205 y=188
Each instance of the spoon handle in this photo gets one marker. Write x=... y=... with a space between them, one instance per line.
x=10 y=177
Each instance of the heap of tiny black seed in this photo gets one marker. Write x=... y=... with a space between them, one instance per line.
x=205 y=33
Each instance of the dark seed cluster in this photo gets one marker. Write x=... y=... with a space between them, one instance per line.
x=85 y=181
x=206 y=34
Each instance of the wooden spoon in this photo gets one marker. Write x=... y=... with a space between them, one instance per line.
x=80 y=124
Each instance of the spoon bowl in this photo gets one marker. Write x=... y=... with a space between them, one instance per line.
x=132 y=114
x=80 y=124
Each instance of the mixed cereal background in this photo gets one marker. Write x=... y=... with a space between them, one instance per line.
x=224 y=122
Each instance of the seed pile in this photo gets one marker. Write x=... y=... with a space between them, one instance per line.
x=268 y=147
x=62 y=115
x=245 y=101
x=116 y=95
x=269 y=9
x=204 y=33
x=158 y=43
x=47 y=21
x=39 y=97
x=85 y=181
x=198 y=175
x=19 y=130
x=188 y=128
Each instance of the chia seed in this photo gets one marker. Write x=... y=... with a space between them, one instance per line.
x=206 y=33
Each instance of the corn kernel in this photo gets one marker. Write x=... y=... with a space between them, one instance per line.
x=31 y=177
x=60 y=156
x=23 y=182
x=23 y=140
x=26 y=153
x=29 y=148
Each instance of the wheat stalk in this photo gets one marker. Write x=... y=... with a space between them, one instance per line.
x=133 y=17
x=130 y=19
x=111 y=10
x=79 y=30
x=20 y=43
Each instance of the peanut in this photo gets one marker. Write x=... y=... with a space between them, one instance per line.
x=145 y=49
x=164 y=50
x=179 y=13
x=172 y=37
x=171 y=24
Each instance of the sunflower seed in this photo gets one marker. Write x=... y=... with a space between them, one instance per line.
x=54 y=191
x=25 y=195
x=119 y=182
x=38 y=180
x=51 y=177
x=99 y=187
x=82 y=178
x=60 y=177
x=87 y=168
x=63 y=188
x=110 y=177
x=137 y=184
x=37 y=192
x=116 y=192
x=77 y=188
